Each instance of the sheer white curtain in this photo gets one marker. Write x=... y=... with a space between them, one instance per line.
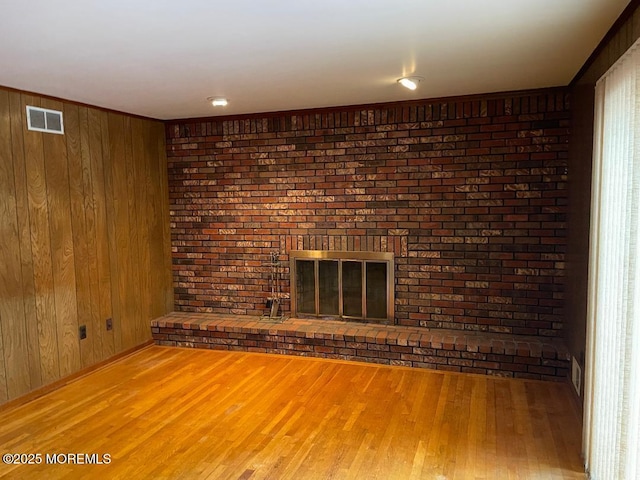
x=612 y=384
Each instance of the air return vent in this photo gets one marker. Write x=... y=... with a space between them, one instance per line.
x=44 y=120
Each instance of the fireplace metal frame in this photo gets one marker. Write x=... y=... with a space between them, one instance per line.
x=344 y=256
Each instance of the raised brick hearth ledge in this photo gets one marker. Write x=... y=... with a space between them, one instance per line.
x=452 y=350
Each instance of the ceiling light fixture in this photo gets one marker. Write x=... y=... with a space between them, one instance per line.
x=410 y=82
x=218 y=101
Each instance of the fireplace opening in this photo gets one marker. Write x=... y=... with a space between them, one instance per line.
x=349 y=285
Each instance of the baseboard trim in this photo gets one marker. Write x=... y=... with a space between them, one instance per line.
x=40 y=391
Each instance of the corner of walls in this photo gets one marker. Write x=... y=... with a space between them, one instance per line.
x=579 y=185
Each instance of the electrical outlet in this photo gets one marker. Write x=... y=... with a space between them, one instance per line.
x=83 y=332
x=109 y=324
x=576 y=375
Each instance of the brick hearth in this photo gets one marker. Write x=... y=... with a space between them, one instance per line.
x=451 y=350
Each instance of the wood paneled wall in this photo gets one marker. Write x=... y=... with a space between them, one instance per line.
x=84 y=236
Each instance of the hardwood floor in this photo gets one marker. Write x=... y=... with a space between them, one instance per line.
x=185 y=413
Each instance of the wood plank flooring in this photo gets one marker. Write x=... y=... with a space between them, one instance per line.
x=185 y=413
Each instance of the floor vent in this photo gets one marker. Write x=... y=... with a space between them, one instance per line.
x=44 y=120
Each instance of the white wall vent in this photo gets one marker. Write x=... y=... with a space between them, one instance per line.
x=44 y=120
x=576 y=375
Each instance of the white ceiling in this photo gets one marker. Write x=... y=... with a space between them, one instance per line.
x=163 y=58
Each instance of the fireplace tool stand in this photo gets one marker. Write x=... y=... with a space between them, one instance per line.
x=275 y=294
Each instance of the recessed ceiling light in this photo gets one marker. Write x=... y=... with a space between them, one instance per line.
x=218 y=101
x=410 y=82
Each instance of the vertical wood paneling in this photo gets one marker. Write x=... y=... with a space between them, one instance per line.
x=24 y=231
x=89 y=207
x=135 y=293
x=160 y=252
x=14 y=336
x=80 y=233
x=121 y=226
x=99 y=202
x=64 y=276
x=84 y=228
x=116 y=265
x=162 y=180
x=4 y=395
x=41 y=250
x=140 y=145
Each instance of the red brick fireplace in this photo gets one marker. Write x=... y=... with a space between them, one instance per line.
x=468 y=194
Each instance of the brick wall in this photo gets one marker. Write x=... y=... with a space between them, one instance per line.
x=469 y=193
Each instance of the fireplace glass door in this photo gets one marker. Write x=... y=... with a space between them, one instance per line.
x=349 y=285
x=306 y=278
x=328 y=301
x=352 y=289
